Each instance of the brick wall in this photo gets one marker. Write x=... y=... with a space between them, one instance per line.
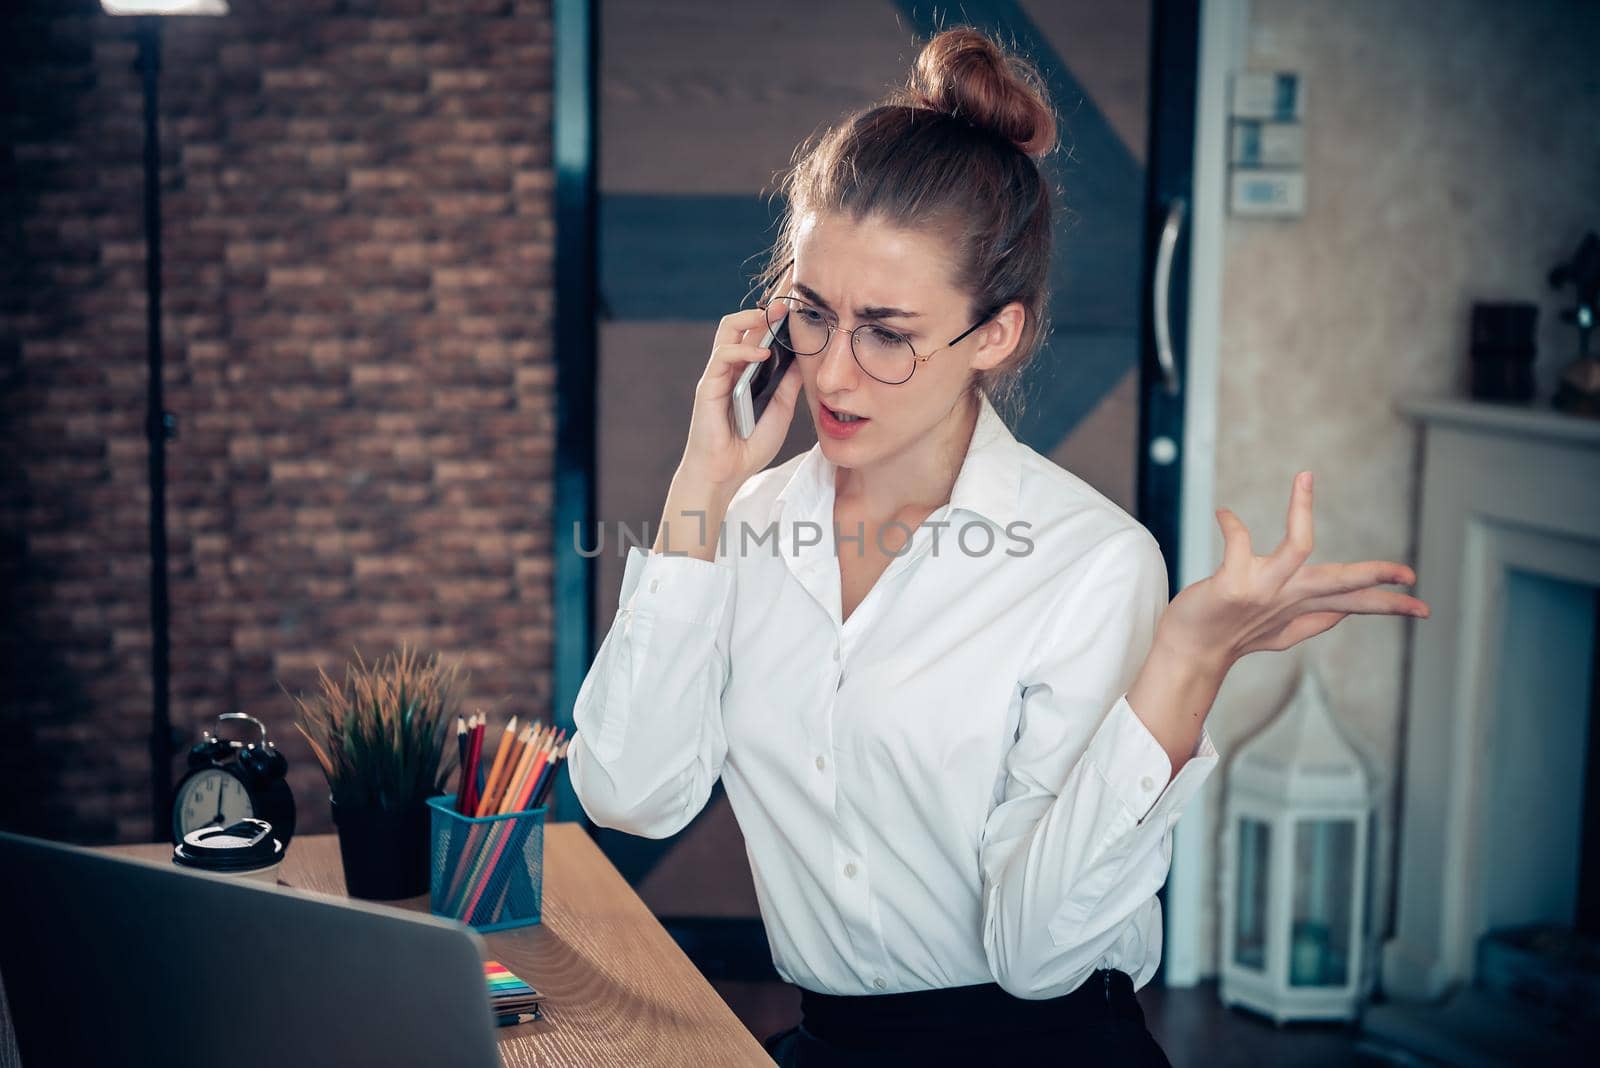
x=358 y=318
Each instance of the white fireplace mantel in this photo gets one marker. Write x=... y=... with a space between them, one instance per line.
x=1502 y=488
x=1504 y=419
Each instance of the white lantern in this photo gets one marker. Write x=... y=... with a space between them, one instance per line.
x=1295 y=851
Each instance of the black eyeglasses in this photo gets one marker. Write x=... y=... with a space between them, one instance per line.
x=884 y=354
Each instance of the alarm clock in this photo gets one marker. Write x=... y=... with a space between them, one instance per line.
x=229 y=780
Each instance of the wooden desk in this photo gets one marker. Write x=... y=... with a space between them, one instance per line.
x=617 y=989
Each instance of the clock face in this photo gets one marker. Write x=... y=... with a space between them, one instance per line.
x=211 y=795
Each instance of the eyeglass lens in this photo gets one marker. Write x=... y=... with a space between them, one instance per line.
x=880 y=352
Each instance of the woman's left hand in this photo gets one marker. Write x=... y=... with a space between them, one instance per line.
x=1256 y=603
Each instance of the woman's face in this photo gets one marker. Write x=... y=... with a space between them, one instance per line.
x=842 y=269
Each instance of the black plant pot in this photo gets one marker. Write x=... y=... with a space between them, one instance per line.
x=385 y=853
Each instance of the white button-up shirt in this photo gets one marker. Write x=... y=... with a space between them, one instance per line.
x=948 y=787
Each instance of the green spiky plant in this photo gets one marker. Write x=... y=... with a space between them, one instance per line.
x=382 y=735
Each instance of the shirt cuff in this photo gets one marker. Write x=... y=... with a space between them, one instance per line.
x=1137 y=768
x=675 y=587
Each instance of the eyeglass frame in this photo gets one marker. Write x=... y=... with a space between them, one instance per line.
x=830 y=320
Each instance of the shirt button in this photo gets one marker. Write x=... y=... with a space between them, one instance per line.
x=1147 y=784
x=820 y=763
x=881 y=983
x=655 y=584
x=850 y=870
x=836 y=656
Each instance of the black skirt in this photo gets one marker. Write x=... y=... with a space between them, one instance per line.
x=1098 y=1023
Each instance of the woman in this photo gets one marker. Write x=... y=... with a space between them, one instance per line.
x=938 y=675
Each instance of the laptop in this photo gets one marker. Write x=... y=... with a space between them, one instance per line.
x=109 y=960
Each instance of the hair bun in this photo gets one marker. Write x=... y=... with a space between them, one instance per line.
x=965 y=73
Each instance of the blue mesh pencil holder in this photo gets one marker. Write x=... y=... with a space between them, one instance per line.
x=486 y=871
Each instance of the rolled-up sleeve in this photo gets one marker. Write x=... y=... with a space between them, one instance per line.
x=649 y=743
x=1081 y=838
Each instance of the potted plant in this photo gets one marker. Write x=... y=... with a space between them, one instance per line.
x=380 y=737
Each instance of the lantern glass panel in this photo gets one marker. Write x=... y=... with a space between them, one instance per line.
x=1324 y=899
x=1253 y=884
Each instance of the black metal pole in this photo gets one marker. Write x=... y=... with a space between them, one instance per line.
x=156 y=434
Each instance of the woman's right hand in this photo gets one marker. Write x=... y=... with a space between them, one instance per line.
x=715 y=455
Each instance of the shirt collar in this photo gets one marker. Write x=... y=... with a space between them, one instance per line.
x=988 y=484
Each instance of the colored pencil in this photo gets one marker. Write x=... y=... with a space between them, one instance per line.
x=507 y=737
x=461 y=758
x=529 y=753
x=515 y=761
x=519 y=745
x=472 y=854
x=466 y=766
x=528 y=767
x=475 y=855
x=463 y=790
x=542 y=791
x=534 y=772
x=474 y=753
x=471 y=775
x=483 y=872
x=558 y=746
x=521 y=801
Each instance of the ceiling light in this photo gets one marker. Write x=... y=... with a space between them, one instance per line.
x=165 y=7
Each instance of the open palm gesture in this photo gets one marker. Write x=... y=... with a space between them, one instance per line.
x=1274 y=602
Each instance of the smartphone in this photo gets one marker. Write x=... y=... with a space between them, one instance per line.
x=759 y=380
